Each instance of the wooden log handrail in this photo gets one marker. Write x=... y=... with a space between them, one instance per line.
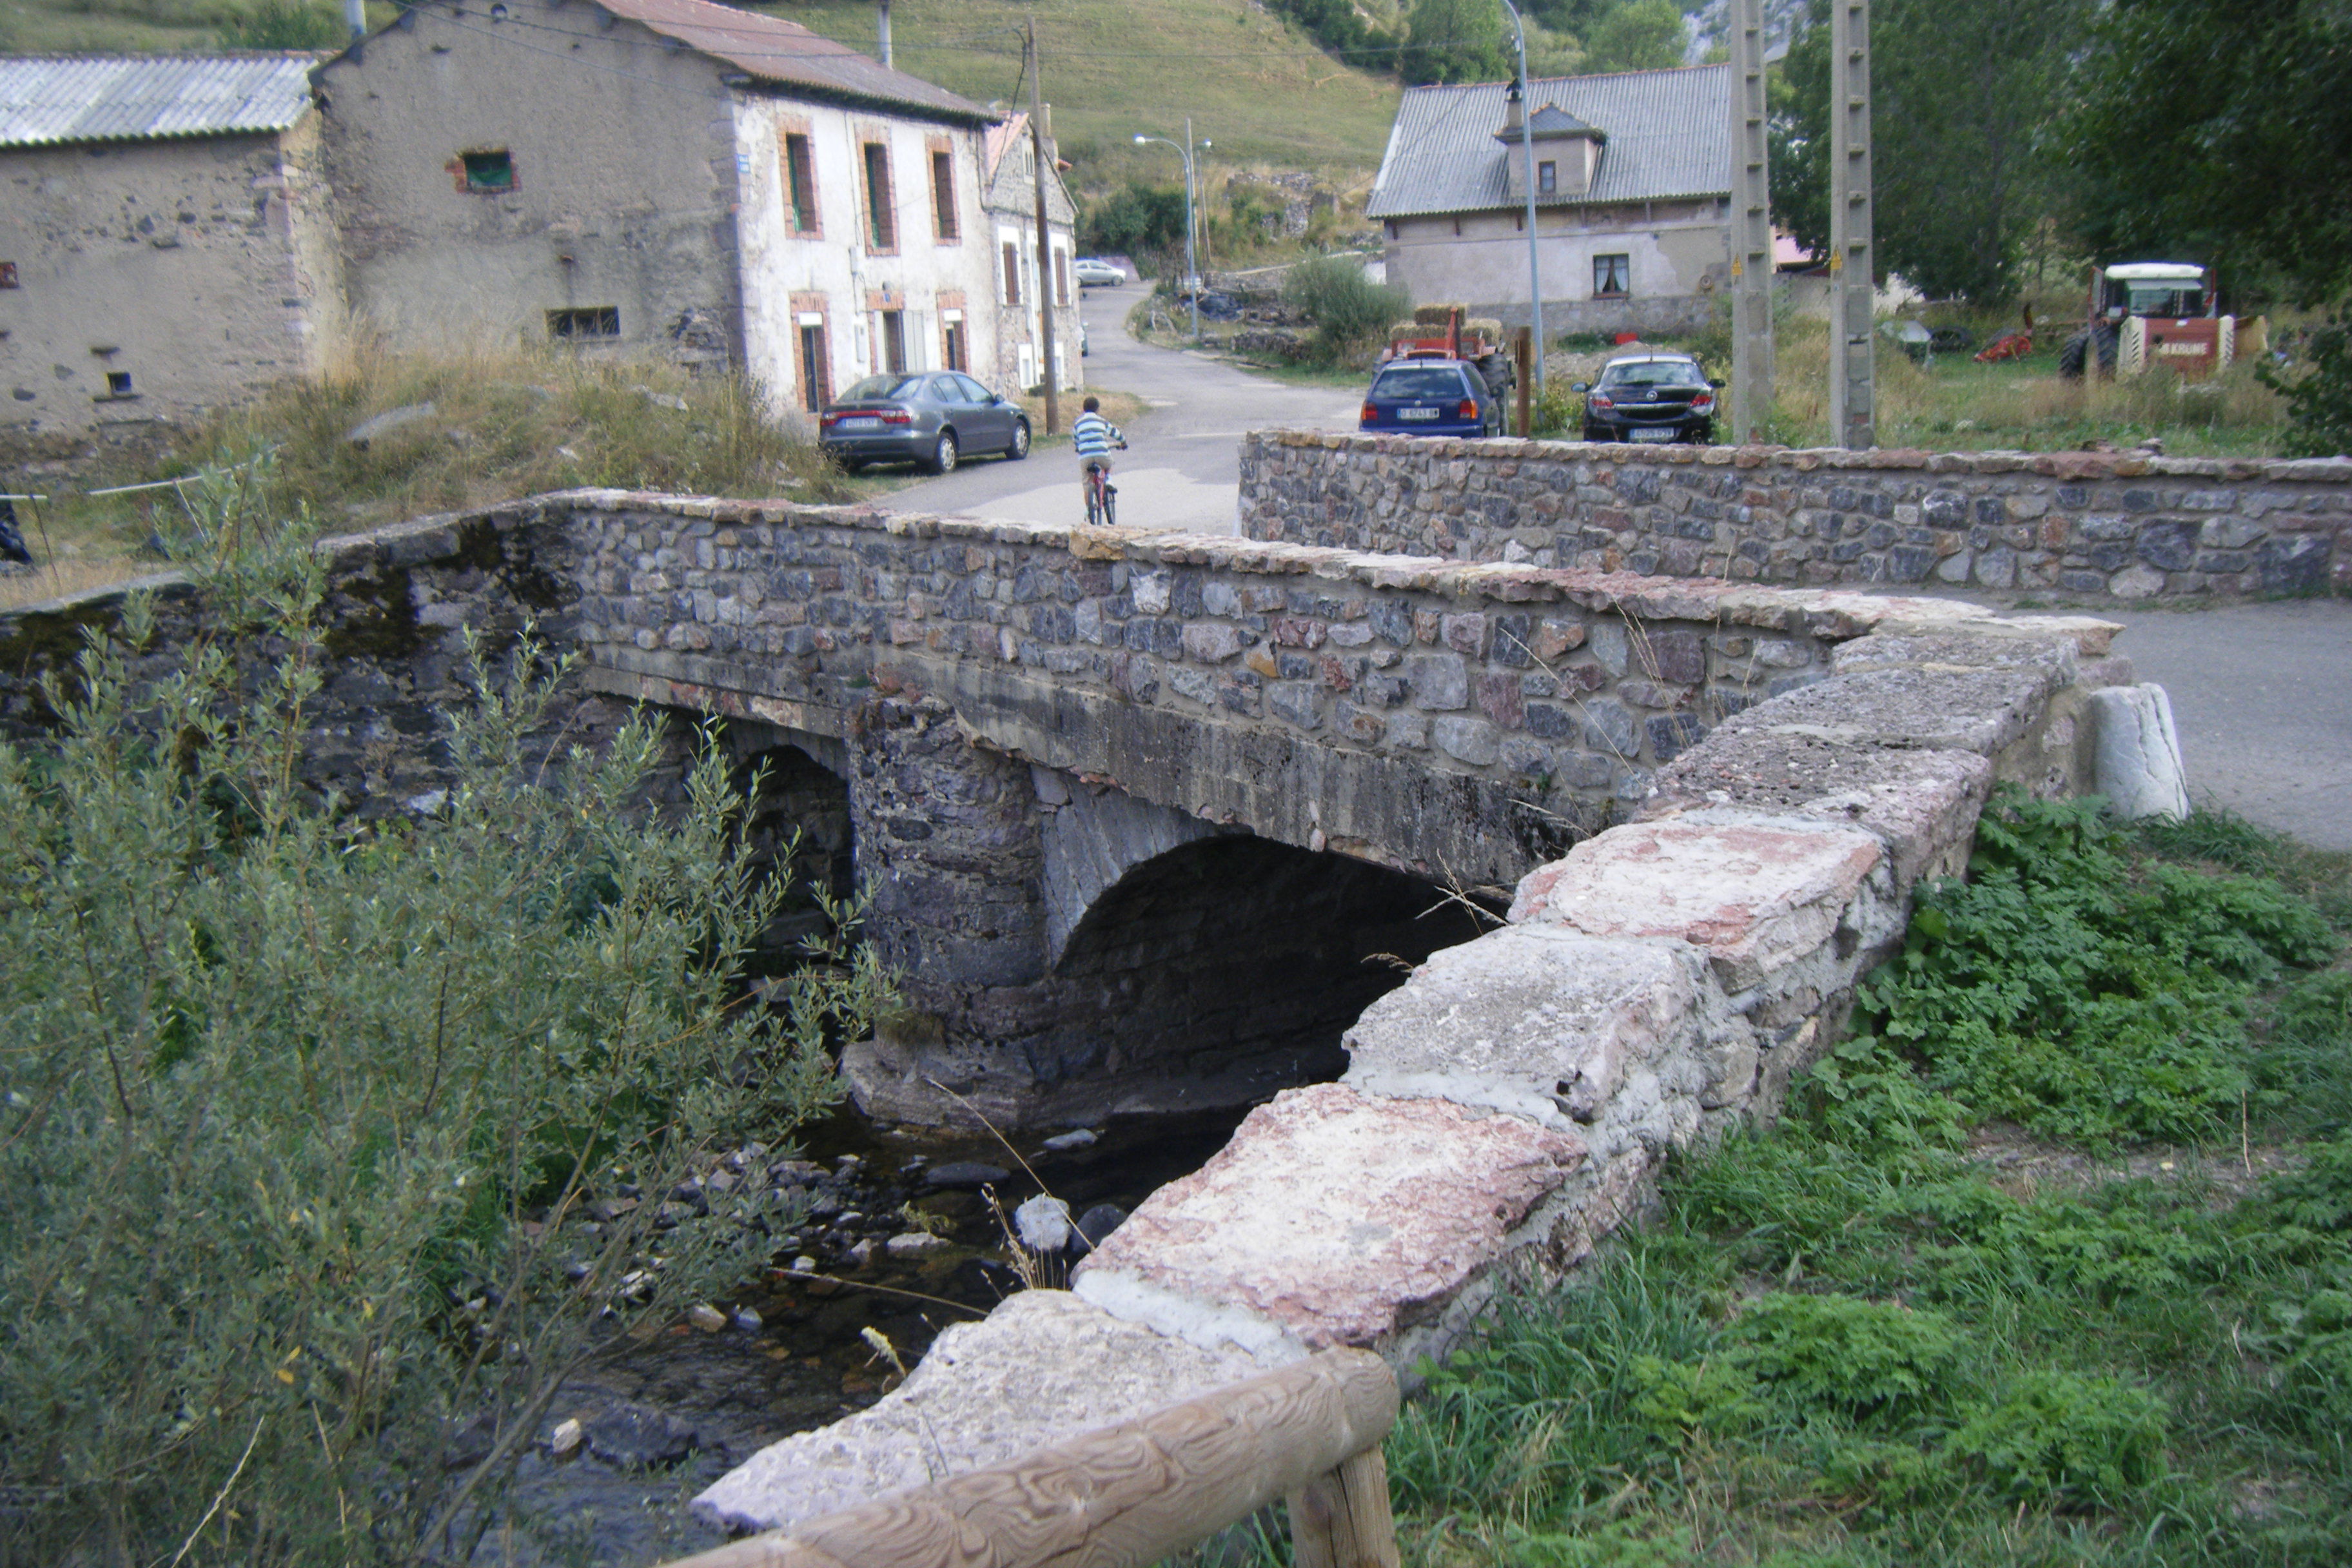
x=1127 y=1496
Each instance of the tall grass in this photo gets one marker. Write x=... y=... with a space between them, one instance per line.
x=505 y=422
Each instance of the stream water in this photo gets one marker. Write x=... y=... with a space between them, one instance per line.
x=665 y=1419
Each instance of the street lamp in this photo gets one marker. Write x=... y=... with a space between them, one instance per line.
x=1528 y=152
x=1192 y=277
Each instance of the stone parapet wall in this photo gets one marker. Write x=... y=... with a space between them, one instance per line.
x=1559 y=690
x=2085 y=525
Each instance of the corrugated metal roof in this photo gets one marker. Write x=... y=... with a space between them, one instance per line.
x=1669 y=134
x=46 y=99
x=788 y=53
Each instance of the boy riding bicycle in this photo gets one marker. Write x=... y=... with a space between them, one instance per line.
x=1095 y=438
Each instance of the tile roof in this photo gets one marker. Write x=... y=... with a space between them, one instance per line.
x=1669 y=134
x=52 y=100
x=789 y=54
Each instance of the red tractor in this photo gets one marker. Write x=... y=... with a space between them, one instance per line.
x=2146 y=313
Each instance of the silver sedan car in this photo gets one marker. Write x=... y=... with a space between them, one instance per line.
x=934 y=418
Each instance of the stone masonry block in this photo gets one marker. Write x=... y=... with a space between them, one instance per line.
x=1041 y=1368
x=1757 y=894
x=1537 y=1020
x=1922 y=804
x=1979 y=711
x=1341 y=1218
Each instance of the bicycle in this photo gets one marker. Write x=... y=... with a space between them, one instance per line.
x=1102 y=496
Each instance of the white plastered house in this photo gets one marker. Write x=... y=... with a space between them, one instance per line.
x=1632 y=199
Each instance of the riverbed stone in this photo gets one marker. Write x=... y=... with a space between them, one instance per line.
x=1042 y=1367
x=1757 y=893
x=1332 y=1217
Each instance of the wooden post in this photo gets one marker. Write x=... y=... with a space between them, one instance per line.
x=1047 y=277
x=1343 y=1519
x=1523 y=359
x=1127 y=1496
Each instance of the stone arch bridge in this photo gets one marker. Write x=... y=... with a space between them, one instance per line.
x=1146 y=821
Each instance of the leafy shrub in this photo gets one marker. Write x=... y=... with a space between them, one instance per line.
x=2311 y=1337
x=2082 y=1439
x=2319 y=399
x=2318 y=1197
x=301 y=1119
x=1350 y=312
x=1861 y=1358
x=2083 y=995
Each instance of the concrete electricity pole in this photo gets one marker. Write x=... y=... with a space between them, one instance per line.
x=1852 y=296
x=1045 y=232
x=1751 y=228
x=1528 y=162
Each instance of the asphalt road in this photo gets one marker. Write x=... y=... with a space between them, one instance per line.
x=1182 y=466
x=2262 y=692
x=2261 y=695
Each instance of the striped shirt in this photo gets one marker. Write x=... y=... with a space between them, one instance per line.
x=1094 y=436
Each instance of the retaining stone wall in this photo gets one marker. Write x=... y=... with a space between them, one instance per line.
x=2085 y=525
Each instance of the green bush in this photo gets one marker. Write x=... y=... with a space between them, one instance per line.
x=2081 y=995
x=1350 y=312
x=1861 y=1358
x=2081 y=1439
x=2319 y=399
x=300 y=1116
x=1140 y=221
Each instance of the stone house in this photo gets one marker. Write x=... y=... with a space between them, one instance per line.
x=164 y=243
x=665 y=179
x=1632 y=199
x=1011 y=203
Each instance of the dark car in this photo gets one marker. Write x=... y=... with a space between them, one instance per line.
x=1650 y=397
x=1431 y=397
x=934 y=418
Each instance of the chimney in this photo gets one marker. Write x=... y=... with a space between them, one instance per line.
x=355 y=17
x=885 y=29
x=1513 y=112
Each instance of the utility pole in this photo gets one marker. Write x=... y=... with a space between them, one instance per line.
x=1853 y=296
x=1044 y=233
x=1527 y=164
x=1751 y=228
x=1192 y=275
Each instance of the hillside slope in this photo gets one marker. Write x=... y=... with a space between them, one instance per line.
x=1260 y=90
x=1263 y=92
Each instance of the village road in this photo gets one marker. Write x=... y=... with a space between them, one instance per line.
x=2261 y=695
x=1182 y=466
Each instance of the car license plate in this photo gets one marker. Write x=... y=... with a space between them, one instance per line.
x=859 y=424
x=1653 y=433
x=1416 y=413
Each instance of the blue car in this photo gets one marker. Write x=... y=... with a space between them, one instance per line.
x=1431 y=397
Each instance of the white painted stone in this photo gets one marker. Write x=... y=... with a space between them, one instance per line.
x=1757 y=893
x=1044 y=1366
x=1342 y=1217
x=2138 y=752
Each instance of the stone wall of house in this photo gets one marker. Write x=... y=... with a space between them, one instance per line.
x=2084 y=525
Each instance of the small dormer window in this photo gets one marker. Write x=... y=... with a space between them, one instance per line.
x=1547 y=178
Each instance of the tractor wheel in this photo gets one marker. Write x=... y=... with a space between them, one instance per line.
x=2109 y=341
x=2072 y=356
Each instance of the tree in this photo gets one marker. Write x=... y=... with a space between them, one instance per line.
x=1965 y=97
x=1454 y=40
x=1646 y=35
x=2220 y=130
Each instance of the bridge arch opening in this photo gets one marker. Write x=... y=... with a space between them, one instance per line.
x=1225 y=969
x=797 y=824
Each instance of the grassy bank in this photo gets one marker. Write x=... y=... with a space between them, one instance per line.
x=2053 y=1264
x=502 y=425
